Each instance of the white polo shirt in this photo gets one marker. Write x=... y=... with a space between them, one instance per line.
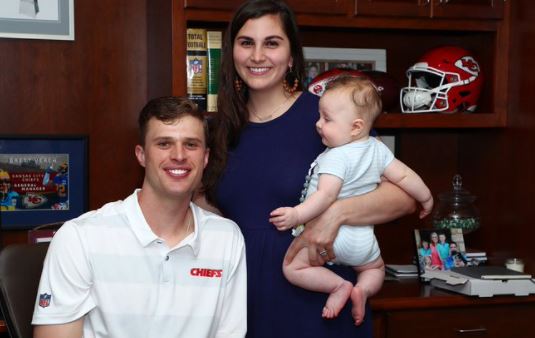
x=109 y=265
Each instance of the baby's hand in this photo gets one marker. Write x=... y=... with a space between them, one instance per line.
x=427 y=206
x=283 y=218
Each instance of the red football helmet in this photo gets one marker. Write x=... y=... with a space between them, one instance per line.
x=446 y=79
x=387 y=86
x=318 y=84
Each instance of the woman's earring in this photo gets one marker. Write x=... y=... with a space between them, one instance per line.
x=290 y=74
x=238 y=84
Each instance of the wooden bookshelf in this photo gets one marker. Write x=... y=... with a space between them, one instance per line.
x=405 y=29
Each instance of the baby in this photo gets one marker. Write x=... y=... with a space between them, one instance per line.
x=352 y=164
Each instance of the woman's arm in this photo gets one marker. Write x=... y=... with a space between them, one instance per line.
x=381 y=205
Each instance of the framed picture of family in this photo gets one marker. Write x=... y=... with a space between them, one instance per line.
x=440 y=249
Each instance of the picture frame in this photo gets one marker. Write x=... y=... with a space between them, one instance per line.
x=37 y=19
x=43 y=179
x=321 y=59
x=448 y=251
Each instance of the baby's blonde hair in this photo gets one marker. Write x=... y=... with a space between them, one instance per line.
x=363 y=93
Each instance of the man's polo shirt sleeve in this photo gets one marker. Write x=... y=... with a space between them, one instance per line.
x=64 y=289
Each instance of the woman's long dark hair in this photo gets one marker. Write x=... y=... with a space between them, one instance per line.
x=232 y=115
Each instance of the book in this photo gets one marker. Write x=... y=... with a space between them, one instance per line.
x=490 y=272
x=214 y=43
x=197 y=66
x=402 y=270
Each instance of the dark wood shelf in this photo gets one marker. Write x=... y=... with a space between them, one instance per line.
x=436 y=120
x=222 y=17
x=405 y=37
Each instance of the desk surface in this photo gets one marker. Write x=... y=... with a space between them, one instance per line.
x=410 y=293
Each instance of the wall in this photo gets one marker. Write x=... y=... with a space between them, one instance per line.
x=94 y=85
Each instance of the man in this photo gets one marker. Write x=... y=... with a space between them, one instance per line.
x=155 y=264
x=8 y=197
x=455 y=258
x=443 y=246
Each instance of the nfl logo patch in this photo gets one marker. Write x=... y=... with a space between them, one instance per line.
x=44 y=299
x=196 y=66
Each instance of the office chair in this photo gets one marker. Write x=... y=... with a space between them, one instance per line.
x=20 y=271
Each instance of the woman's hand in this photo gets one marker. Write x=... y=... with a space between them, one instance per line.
x=381 y=205
x=318 y=237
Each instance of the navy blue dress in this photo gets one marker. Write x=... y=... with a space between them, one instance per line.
x=265 y=171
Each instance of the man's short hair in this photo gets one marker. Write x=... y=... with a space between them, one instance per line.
x=168 y=109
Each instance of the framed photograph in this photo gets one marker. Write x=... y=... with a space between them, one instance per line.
x=320 y=59
x=42 y=180
x=440 y=249
x=37 y=19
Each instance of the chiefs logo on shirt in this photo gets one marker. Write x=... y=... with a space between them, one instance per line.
x=210 y=273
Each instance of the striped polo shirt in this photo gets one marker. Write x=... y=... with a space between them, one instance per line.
x=109 y=266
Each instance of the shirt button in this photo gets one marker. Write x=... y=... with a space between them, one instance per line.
x=166 y=258
x=159 y=242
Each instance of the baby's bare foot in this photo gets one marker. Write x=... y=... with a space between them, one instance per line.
x=358 y=297
x=336 y=301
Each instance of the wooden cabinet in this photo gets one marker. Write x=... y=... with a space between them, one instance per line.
x=467 y=9
x=332 y=7
x=398 y=8
x=412 y=309
x=396 y=26
x=498 y=321
x=211 y=4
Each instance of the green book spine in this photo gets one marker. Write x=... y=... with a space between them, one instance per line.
x=214 y=62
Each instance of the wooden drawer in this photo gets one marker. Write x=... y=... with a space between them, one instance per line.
x=459 y=9
x=503 y=321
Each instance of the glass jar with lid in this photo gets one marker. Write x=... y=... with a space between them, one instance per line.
x=456 y=209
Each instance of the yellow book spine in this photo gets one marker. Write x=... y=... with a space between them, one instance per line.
x=197 y=65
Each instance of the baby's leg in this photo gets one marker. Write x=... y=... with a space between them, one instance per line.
x=369 y=282
x=317 y=278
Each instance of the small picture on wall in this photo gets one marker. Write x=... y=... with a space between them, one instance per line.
x=37 y=19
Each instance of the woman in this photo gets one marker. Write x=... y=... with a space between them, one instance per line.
x=266 y=126
x=436 y=260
